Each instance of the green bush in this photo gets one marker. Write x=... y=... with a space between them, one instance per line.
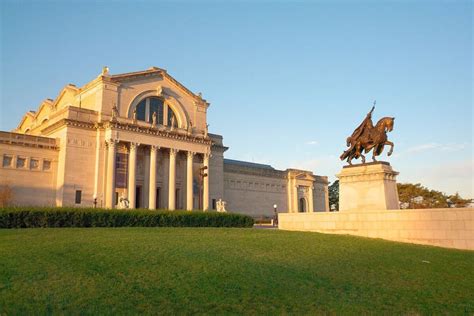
x=30 y=217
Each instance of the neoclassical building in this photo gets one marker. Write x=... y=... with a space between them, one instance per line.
x=141 y=137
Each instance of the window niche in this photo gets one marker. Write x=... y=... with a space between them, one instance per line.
x=20 y=162
x=34 y=164
x=7 y=161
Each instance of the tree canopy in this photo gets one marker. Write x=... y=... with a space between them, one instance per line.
x=418 y=196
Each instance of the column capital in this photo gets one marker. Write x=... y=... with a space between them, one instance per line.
x=173 y=151
x=134 y=145
x=191 y=153
x=154 y=148
x=206 y=155
x=111 y=142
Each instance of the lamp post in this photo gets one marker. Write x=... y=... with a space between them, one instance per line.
x=275 y=215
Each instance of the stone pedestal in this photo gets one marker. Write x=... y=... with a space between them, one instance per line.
x=367 y=187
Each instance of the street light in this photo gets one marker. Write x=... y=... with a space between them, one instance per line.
x=275 y=215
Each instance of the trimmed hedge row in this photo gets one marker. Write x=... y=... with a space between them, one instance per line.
x=31 y=217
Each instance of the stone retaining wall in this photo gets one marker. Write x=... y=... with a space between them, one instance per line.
x=449 y=227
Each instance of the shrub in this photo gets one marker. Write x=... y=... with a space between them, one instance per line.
x=31 y=217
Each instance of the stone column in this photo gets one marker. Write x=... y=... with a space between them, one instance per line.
x=110 y=178
x=205 y=187
x=152 y=188
x=172 y=180
x=189 y=181
x=289 y=189
x=310 y=199
x=296 y=206
x=132 y=174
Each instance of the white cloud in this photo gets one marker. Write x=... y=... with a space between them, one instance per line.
x=432 y=146
x=312 y=142
x=451 y=147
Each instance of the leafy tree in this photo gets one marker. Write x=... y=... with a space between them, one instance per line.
x=334 y=195
x=418 y=196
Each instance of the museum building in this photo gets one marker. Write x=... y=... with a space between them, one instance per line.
x=141 y=137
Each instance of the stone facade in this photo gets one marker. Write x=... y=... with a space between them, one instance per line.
x=140 y=136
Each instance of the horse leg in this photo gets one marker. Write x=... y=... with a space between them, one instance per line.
x=391 y=147
x=373 y=155
x=359 y=153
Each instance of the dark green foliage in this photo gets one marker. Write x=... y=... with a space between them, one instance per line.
x=334 y=196
x=31 y=217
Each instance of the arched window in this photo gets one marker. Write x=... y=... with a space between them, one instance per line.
x=148 y=106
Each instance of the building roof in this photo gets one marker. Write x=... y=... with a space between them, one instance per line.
x=247 y=164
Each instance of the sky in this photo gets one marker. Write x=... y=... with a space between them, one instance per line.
x=288 y=82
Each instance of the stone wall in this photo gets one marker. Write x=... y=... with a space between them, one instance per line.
x=253 y=189
x=29 y=167
x=451 y=228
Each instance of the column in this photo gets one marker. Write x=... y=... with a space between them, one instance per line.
x=310 y=199
x=289 y=190
x=189 y=181
x=132 y=174
x=152 y=188
x=172 y=180
x=205 y=186
x=110 y=177
x=295 y=197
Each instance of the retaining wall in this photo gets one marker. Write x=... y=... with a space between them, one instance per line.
x=449 y=227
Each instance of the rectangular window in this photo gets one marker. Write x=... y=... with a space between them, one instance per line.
x=34 y=164
x=116 y=198
x=7 y=161
x=214 y=204
x=46 y=165
x=78 y=196
x=20 y=162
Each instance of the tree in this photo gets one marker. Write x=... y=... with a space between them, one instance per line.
x=334 y=196
x=418 y=196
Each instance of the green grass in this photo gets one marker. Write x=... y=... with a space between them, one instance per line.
x=219 y=270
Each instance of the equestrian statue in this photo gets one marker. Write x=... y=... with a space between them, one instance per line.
x=368 y=137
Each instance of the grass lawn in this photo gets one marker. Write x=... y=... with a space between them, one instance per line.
x=214 y=270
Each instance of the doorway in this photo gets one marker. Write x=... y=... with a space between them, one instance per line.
x=158 y=198
x=302 y=205
x=138 y=196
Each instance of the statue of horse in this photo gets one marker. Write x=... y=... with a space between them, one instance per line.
x=368 y=137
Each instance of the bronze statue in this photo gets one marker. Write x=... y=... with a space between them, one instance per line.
x=367 y=137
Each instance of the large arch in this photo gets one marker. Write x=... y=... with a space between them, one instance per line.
x=173 y=104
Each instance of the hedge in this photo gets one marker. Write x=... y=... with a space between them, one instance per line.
x=31 y=217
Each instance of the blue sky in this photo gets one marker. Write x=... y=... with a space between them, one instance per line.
x=287 y=82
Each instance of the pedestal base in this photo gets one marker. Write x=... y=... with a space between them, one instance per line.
x=367 y=187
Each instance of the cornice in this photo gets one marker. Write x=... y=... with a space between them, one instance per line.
x=155 y=132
